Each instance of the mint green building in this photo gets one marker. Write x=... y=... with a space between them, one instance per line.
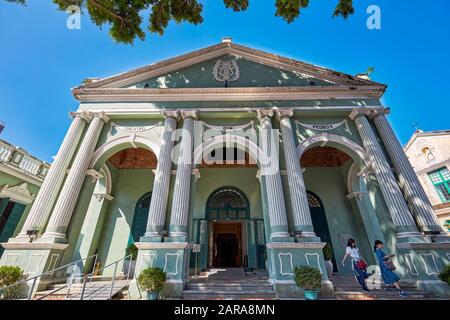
x=257 y=160
x=21 y=176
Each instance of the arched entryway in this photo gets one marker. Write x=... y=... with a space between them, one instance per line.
x=227 y=209
x=335 y=217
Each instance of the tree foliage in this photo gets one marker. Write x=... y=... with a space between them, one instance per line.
x=125 y=17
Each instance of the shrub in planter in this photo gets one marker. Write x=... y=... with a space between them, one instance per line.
x=8 y=276
x=328 y=255
x=132 y=250
x=152 y=281
x=327 y=252
x=309 y=279
x=445 y=275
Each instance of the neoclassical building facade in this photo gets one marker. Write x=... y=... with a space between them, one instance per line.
x=429 y=154
x=253 y=159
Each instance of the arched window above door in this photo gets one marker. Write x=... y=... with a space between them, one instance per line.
x=227 y=203
x=313 y=201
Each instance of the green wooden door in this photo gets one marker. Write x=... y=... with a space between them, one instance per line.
x=9 y=219
x=140 y=217
x=320 y=223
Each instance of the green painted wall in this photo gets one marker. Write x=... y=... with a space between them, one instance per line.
x=330 y=185
x=251 y=75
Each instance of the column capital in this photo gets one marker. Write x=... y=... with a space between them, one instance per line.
x=265 y=113
x=171 y=114
x=100 y=115
x=284 y=113
x=84 y=115
x=189 y=114
x=359 y=112
x=376 y=112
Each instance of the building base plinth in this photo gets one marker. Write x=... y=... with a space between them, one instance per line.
x=421 y=263
x=172 y=257
x=283 y=257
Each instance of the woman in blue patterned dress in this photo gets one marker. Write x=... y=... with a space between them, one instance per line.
x=389 y=276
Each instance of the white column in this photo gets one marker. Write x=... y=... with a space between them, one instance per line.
x=297 y=190
x=160 y=193
x=409 y=182
x=38 y=216
x=404 y=223
x=62 y=213
x=180 y=204
x=270 y=175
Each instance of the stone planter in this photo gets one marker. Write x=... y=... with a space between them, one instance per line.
x=329 y=267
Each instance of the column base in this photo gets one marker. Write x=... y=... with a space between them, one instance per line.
x=283 y=257
x=152 y=237
x=172 y=257
x=421 y=263
x=411 y=237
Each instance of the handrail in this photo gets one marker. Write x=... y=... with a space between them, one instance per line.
x=90 y=276
x=35 y=278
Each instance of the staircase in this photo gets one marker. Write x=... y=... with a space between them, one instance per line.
x=347 y=288
x=98 y=289
x=229 y=284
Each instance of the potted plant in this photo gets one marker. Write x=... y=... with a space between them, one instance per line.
x=152 y=281
x=310 y=280
x=10 y=275
x=328 y=255
x=445 y=274
x=129 y=264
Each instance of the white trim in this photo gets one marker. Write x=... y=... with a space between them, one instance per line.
x=225 y=94
x=41 y=255
x=281 y=263
x=152 y=259
x=341 y=140
x=411 y=266
x=162 y=245
x=428 y=272
x=53 y=261
x=149 y=110
x=295 y=245
x=34 y=246
x=9 y=254
x=19 y=193
x=176 y=263
x=308 y=254
x=124 y=140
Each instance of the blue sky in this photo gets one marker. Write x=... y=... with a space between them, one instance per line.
x=40 y=59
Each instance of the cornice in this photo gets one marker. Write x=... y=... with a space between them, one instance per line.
x=220 y=49
x=225 y=94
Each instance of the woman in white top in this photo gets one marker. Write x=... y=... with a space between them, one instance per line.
x=358 y=263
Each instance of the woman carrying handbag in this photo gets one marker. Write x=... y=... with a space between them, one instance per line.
x=359 y=265
x=387 y=268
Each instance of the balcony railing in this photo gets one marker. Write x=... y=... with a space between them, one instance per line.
x=22 y=160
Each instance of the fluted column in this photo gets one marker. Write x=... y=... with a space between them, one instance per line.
x=160 y=193
x=62 y=213
x=180 y=204
x=45 y=199
x=297 y=190
x=270 y=174
x=404 y=223
x=409 y=182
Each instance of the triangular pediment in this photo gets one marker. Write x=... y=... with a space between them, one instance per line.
x=231 y=71
x=227 y=65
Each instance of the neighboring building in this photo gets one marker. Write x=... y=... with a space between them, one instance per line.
x=429 y=154
x=21 y=176
x=119 y=178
